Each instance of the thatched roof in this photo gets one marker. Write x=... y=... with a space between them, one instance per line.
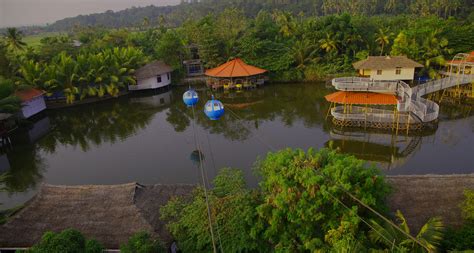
x=422 y=197
x=108 y=213
x=152 y=69
x=386 y=62
x=111 y=214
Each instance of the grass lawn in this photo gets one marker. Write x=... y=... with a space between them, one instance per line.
x=34 y=40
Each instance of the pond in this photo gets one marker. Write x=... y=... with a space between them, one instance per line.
x=149 y=138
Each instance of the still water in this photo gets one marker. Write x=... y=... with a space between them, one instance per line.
x=148 y=138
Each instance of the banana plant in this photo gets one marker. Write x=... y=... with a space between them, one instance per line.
x=429 y=236
x=67 y=75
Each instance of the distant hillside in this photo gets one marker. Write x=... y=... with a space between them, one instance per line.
x=175 y=15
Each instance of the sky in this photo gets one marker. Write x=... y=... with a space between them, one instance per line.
x=41 y=12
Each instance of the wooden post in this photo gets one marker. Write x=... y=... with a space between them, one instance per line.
x=408 y=122
x=329 y=110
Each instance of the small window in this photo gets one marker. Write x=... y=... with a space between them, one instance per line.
x=162 y=100
x=379 y=71
x=168 y=76
x=158 y=79
x=398 y=71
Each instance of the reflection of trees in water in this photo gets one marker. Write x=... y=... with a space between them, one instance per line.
x=95 y=124
x=290 y=102
x=26 y=168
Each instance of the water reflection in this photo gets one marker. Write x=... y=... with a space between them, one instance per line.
x=148 y=138
x=94 y=125
x=388 y=150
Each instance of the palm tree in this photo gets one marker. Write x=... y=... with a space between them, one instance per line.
x=328 y=44
x=430 y=235
x=13 y=39
x=303 y=52
x=383 y=38
x=146 y=22
x=66 y=75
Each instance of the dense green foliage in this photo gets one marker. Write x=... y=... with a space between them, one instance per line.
x=462 y=238
x=142 y=242
x=67 y=241
x=301 y=205
x=300 y=210
x=9 y=103
x=459 y=239
x=467 y=206
x=233 y=216
x=292 y=47
x=176 y=15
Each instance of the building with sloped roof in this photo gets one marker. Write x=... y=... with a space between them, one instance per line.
x=32 y=101
x=387 y=68
x=154 y=75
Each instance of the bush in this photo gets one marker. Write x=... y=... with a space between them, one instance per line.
x=467 y=206
x=232 y=207
x=93 y=246
x=300 y=211
x=459 y=239
x=142 y=242
x=67 y=241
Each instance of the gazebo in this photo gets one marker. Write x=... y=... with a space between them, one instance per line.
x=367 y=109
x=235 y=74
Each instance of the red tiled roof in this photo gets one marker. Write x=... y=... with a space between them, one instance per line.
x=234 y=68
x=361 y=98
x=28 y=94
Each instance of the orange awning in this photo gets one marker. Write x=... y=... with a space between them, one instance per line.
x=361 y=98
x=234 y=68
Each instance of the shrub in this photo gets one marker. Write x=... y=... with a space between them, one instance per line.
x=300 y=211
x=142 y=242
x=232 y=208
x=459 y=239
x=467 y=206
x=93 y=246
x=67 y=241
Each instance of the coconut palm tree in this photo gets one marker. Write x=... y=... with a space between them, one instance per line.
x=328 y=43
x=13 y=39
x=430 y=235
x=382 y=38
x=303 y=52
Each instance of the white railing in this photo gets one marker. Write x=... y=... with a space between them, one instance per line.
x=358 y=113
x=409 y=99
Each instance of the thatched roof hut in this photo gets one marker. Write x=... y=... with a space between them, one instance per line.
x=422 y=197
x=108 y=213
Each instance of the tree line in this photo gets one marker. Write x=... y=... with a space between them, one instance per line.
x=291 y=47
x=177 y=15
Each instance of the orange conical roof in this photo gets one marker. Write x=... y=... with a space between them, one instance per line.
x=234 y=68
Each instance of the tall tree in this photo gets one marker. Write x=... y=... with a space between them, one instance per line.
x=13 y=39
x=382 y=38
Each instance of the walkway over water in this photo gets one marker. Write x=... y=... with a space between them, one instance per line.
x=410 y=100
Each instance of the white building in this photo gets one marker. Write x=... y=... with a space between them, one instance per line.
x=152 y=76
x=387 y=68
x=32 y=102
